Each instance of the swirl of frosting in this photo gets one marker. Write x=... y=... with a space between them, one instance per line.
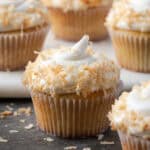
x=139 y=100
x=20 y=14
x=78 y=55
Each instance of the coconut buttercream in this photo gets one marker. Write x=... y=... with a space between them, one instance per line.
x=71 y=70
x=131 y=113
x=21 y=14
x=130 y=15
x=67 y=5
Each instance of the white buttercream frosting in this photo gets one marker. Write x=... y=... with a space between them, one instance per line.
x=131 y=113
x=139 y=100
x=131 y=15
x=78 y=69
x=76 y=4
x=76 y=56
x=20 y=14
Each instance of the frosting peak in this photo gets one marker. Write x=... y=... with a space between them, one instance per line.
x=131 y=15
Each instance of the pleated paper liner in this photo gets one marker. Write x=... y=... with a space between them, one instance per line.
x=72 y=25
x=17 y=48
x=132 y=49
x=71 y=115
x=133 y=143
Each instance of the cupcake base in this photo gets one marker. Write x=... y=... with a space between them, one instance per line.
x=72 y=25
x=71 y=115
x=132 y=49
x=133 y=143
x=17 y=47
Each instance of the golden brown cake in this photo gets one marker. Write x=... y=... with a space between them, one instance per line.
x=23 y=28
x=71 y=19
x=129 y=26
x=72 y=90
x=130 y=116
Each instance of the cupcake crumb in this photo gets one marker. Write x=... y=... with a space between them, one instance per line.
x=9 y=108
x=22 y=120
x=5 y=113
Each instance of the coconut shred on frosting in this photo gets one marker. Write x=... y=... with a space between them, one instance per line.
x=132 y=112
x=130 y=15
x=20 y=14
x=67 y=5
x=71 y=70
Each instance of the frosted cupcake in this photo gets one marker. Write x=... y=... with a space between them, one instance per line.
x=72 y=90
x=129 y=26
x=130 y=116
x=71 y=19
x=23 y=28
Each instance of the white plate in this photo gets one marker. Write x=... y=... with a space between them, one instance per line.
x=11 y=82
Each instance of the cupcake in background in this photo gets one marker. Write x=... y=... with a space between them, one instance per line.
x=72 y=90
x=23 y=28
x=130 y=116
x=129 y=26
x=71 y=19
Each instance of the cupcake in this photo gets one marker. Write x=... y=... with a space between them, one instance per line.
x=71 y=19
x=23 y=28
x=72 y=90
x=130 y=116
x=129 y=26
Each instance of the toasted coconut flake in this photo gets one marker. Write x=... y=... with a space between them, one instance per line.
x=70 y=148
x=2 y=140
x=107 y=142
x=28 y=127
x=13 y=131
x=23 y=110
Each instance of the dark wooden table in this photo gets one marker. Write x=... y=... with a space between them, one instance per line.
x=33 y=139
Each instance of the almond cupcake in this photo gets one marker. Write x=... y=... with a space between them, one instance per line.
x=71 y=19
x=130 y=116
x=72 y=90
x=129 y=26
x=23 y=28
